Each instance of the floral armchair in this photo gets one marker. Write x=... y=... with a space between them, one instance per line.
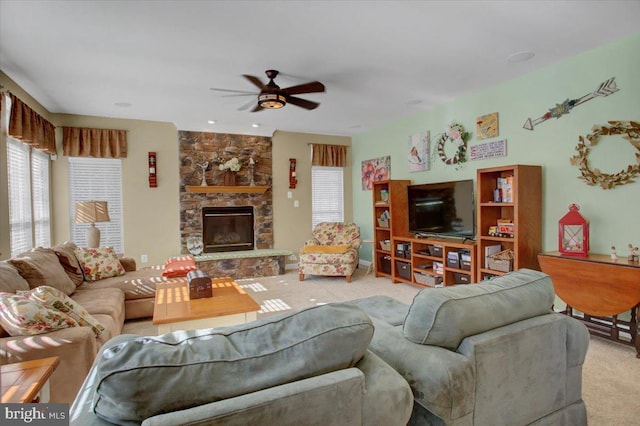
x=333 y=250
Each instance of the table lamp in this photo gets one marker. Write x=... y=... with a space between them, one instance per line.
x=92 y=212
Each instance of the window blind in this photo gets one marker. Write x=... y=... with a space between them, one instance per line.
x=327 y=195
x=40 y=198
x=19 y=181
x=98 y=179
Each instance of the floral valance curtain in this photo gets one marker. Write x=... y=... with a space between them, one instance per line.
x=97 y=143
x=31 y=128
x=328 y=155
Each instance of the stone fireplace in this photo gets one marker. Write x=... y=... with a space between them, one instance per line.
x=196 y=148
x=227 y=228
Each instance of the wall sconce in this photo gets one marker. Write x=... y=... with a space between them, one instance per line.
x=153 y=182
x=292 y=173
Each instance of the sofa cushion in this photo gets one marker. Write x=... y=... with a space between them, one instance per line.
x=180 y=266
x=111 y=329
x=54 y=299
x=41 y=266
x=66 y=255
x=137 y=377
x=21 y=316
x=105 y=301
x=128 y=263
x=312 y=248
x=140 y=284
x=333 y=233
x=99 y=263
x=10 y=279
x=445 y=316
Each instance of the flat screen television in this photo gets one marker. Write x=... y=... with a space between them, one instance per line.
x=444 y=209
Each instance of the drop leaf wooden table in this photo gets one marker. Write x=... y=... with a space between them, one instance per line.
x=601 y=289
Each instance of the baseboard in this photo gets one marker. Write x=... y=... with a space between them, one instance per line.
x=294 y=266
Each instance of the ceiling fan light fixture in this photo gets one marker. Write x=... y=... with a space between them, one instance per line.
x=272 y=100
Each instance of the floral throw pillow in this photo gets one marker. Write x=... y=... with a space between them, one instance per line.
x=21 y=316
x=55 y=299
x=99 y=263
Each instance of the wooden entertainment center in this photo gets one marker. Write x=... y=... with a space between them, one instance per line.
x=434 y=261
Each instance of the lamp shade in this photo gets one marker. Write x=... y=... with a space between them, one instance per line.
x=91 y=212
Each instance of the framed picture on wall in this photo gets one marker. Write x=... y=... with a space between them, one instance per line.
x=419 y=147
x=374 y=170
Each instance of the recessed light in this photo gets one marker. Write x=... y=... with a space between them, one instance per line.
x=211 y=121
x=255 y=125
x=525 y=55
x=122 y=104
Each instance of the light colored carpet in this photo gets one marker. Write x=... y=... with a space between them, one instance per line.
x=611 y=374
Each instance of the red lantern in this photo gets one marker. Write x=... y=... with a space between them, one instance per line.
x=573 y=233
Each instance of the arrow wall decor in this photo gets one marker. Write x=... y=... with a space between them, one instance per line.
x=605 y=89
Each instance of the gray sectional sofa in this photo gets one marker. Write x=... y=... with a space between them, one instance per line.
x=486 y=354
x=306 y=367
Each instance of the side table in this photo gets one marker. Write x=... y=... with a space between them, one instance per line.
x=600 y=288
x=27 y=381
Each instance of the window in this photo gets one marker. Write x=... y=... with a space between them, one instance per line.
x=28 y=181
x=327 y=195
x=98 y=179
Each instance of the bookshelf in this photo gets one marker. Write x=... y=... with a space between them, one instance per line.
x=523 y=209
x=394 y=203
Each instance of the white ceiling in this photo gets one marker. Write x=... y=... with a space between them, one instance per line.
x=379 y=60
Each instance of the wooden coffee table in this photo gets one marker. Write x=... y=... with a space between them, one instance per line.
x=230 y=305
x=27 y=381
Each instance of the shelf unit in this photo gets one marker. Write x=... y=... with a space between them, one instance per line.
x=525 y=211
x=395 y=204
x=421 y=259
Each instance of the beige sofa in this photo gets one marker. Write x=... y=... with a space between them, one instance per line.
x=110 y=301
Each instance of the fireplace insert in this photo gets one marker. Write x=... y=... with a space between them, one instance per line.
x=227 y=229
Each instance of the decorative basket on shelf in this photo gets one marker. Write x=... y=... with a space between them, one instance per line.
x=383 y=223
x=385 y=245
x=501 y=261
x=427 y=279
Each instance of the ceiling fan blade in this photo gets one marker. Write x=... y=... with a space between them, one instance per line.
x=257 y=108
x=302 y=102
x=247 y=105
x=239 y=94
x=254 y=80
x=311 y=87
x=215 y=89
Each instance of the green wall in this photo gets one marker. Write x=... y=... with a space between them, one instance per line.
x=614 y=214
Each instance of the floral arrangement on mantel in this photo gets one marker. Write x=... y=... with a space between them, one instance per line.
x=459 y=137
x=233 y=165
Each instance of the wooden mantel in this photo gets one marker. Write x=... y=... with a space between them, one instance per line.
x=228 y=189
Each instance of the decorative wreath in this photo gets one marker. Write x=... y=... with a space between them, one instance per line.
x=458 y=136
x=631 y=132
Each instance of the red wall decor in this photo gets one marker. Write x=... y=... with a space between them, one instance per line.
x=292 y=173
x=153 y=182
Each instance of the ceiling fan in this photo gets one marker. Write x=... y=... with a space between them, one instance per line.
x=271 y=96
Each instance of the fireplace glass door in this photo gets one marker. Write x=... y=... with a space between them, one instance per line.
x=227 y=229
